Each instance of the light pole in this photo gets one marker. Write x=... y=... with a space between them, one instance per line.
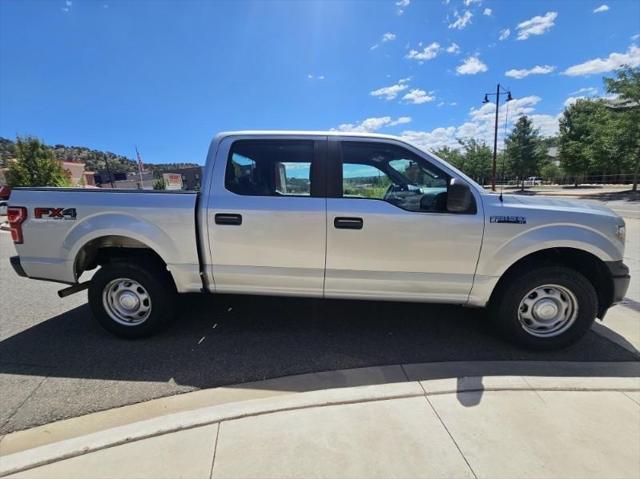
x=499 y=89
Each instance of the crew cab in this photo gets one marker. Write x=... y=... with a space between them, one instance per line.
x=327 y=215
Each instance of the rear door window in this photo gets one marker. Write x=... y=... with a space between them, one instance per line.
x=270 y=168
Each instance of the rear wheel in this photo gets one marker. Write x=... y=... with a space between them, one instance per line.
x=132 y=300
x=548 y=307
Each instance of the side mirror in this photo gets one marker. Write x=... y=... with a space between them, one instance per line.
x=460 y=199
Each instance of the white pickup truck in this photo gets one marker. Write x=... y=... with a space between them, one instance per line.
x=327 y=215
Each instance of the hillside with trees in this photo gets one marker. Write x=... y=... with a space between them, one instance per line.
x=94 y=159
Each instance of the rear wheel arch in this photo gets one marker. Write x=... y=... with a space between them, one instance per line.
x=116 y=248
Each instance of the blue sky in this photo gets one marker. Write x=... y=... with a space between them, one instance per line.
x=167 y=76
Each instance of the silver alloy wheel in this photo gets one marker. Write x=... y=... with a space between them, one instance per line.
x=548 y=310
x=126 y=301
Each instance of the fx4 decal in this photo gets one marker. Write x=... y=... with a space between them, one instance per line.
x=55 y=213
x=520 y=220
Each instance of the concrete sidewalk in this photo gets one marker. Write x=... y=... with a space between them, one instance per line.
x=404 y=426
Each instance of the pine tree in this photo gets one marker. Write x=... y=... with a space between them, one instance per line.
x=524 y=149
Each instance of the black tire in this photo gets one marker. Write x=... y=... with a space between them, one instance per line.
x=160 y=294
x=506 y=301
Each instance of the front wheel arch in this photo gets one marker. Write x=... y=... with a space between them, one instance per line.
x=585 y=263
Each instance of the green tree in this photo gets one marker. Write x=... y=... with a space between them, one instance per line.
x=626 y=84
x=159 y=185
x=578 y=136
x=451 y=156
x=551 y=172
x=524 y=149
x=476 y=160
x=35 y=165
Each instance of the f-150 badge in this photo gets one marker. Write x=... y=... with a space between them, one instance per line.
x=521 y=220
x=54 y=213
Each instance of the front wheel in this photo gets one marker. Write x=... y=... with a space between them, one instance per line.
x=132 y=300
x=549 y=307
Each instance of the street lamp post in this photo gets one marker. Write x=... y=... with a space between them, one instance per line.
x=499 y=89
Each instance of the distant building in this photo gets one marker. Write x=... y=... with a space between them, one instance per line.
x=77 y=174
x=191 y=177
x=125 y=180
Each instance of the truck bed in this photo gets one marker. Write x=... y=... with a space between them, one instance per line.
x=70 y=218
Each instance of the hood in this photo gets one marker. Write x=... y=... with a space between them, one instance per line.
x=559 y=204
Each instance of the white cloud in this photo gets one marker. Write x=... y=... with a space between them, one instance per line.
x=471 y=66
x=601 y=8
x=517 y=107
x=537 y=25
x=572 y=99
x=433 y=139
x=537 y=70
x=400 y=121
x=315 y=77
x=636 y=37
x=429 y=52
x=402 y=4
x=586 y=90
x=373 y=124
x=453 y=48
x=602 y=65
x=392 y=91
x=487 y=12
x=388 y=37
x=67 y=6
x=547 y=124
x=471 y=2
x=504 y=34
x=418 y=97
x=461 y=21
x=480 y=125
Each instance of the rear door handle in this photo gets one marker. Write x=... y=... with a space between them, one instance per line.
x=228 y=219
x=348 y=223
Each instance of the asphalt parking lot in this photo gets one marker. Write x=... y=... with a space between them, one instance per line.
x=55 y=362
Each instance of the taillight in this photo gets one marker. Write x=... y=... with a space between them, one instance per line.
x=16 y=216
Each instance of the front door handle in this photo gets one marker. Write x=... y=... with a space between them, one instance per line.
x=228 y=219
x=348 y=223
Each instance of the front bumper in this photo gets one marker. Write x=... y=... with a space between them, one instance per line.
x=17 y=267
x=620 y=277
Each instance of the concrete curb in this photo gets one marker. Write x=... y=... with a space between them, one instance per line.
x=136 y=431
x=61 y=430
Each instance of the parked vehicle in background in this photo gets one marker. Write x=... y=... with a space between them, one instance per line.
x=533 y=181
x=3 y=207
x=333 y=215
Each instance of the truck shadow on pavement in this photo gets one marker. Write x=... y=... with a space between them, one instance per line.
x=68 y=366
x=222 y=340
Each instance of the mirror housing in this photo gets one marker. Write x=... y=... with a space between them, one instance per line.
x=460 y=199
